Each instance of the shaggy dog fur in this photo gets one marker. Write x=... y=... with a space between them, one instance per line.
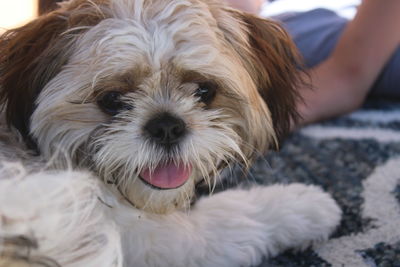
x=114 y=111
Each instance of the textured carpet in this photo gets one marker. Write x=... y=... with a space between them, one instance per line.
x=357 y=159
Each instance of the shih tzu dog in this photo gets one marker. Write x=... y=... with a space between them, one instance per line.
x=114 y=111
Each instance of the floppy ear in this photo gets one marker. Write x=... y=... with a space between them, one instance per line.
x=26 y=64
x=277 y=66
x=32 y=55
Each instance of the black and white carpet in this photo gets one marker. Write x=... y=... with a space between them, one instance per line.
x=357 y=159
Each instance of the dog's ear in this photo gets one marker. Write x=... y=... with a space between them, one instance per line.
x=33 y=54
x=272 y=60
x=26 y=64
x=277 y=66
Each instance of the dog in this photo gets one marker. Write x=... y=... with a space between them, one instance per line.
x=115 y=111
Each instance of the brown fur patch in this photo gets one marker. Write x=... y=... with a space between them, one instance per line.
x=33 y=54
x=277 y=65
x=46 y=6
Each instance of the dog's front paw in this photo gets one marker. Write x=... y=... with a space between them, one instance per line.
x=267 y=220
x=307 y=216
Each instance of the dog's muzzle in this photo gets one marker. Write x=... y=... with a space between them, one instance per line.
x=167 y=131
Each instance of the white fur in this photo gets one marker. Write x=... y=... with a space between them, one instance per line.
x=232 y=228
x=61 y=215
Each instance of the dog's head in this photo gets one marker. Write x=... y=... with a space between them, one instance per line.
x=152 y=95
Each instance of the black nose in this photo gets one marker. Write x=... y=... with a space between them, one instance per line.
x=165 y=129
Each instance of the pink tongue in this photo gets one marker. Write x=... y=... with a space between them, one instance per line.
x=167 y=176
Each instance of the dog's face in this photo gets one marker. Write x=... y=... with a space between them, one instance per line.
x=154 y=96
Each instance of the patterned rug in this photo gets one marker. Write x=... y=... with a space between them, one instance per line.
x=357 y=159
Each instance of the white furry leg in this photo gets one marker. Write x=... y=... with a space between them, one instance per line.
x=60 y=219
x=233 y=228
x=54 y=219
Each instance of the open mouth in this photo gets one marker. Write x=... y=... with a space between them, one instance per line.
x=166 y=176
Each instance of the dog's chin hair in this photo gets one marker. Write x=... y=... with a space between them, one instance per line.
x=158 y=201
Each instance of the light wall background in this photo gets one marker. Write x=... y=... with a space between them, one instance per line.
x=14 y=13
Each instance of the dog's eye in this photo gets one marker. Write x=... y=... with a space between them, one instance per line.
x=206 y=92
x=111 y=103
